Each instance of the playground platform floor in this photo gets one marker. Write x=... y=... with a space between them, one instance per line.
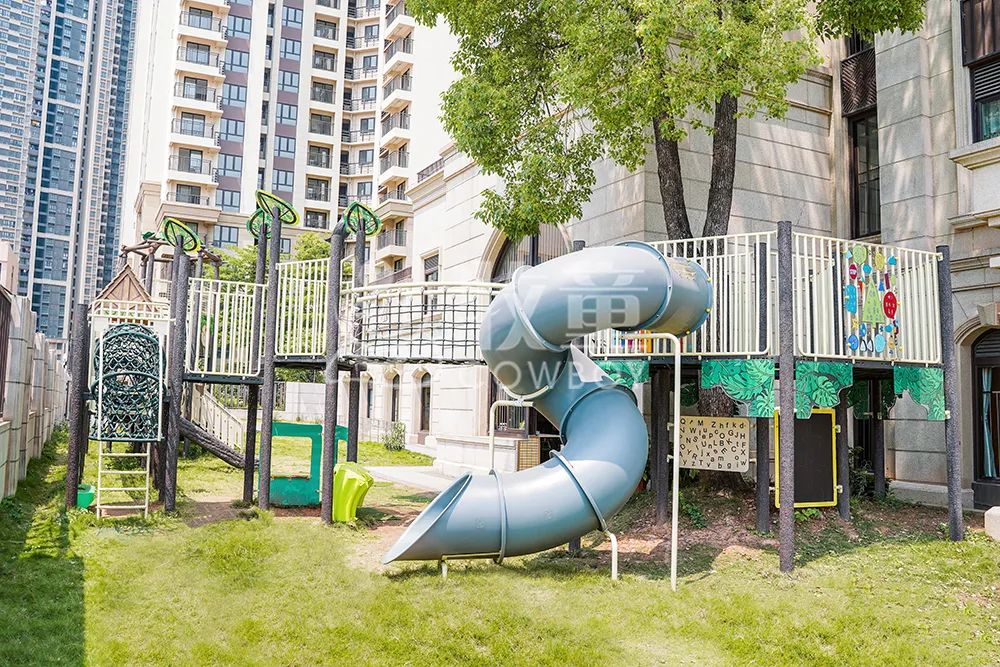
x=425 y=478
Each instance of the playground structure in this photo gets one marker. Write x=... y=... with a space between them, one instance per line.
x=818 y=314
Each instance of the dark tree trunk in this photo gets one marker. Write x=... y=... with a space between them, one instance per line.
x=720 y=193
x=668 y=171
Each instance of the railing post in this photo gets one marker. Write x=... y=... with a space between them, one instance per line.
x=786 y=399
x=952 y=436
x=253 y=390
x=762 y=425
x=331 y=373
x=267 y=372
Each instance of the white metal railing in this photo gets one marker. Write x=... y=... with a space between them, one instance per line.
x=302 y=304
x=209 y=413
x=741 y=268
x=428 y=321
x=219 y=328
x=832 y=323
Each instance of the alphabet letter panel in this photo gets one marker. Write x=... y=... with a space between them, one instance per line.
x=715 y=443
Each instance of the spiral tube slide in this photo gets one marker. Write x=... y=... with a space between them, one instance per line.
x=526 y=340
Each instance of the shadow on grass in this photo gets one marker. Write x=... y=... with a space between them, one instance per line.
x=41 y=598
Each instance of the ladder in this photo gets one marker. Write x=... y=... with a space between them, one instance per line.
x=114 y=479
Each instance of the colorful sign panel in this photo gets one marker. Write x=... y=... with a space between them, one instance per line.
x=870 y=301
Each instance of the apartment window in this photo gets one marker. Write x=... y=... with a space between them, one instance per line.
x=291 y=48
x=268 y=46
x=370 y=62
x=322 y=92
x=234 y=95
x=288 y=81
x=188 y=194
x=231 y=129
x=325 y=61
x=321 y=123
x=239 y=26
x=986 y=100
x=318 y=189
x=369 y=92
x=317 y=219
x=286 y=246
x=230 y=165
x=284 y=147
x=267 y=79
x=431 y=268
x=190 y=160
x=287 y=114
x=192 y=124
x=260 y=178
x=197 y=53
x=366 y=155
x=326 y=29
x=237 y=61
x=371 y=31
x=291 y=17
x=319 y=156
x=199 y=18
x=367 y=125
x=283 y=180
x=227 y=200
x=865 y=200
x=981 y=54
x=225 y=236
x=394 y=399
x=264 y=109
x=364 y=189
x=195 y=88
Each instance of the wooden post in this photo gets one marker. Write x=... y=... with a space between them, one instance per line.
x=79 y=363
x=762 y=427
x=786 y=400
x=952 y=433
x=175 y=375
x=267 y=371
x=354 y=389
x=150 y=269
x=253 y=390
x=843 y=463
x=331 y=373
x=878 y=430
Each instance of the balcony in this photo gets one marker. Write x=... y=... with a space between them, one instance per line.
x=196 y=170
x=202 y=27
x=326 y=62
x=316 y=220
x=197 y=98
x=326 y=32
x=391 y=277
x=365 y=136
x=328 y=6
x=360 y=73
x=355 y=168
x=397 y=93
x=195 y=200
x=391 y=243
x=192 y=133
x=395 y=130
x=430 y=170
x=199 y=62
x=358 y=105
x=362 y=43
x=318 y=159
x=398 y=21
x=318 y=193
x=398 y=56
x=393 y=167
x=321 y=126
x=366 y=12
x=322 y=94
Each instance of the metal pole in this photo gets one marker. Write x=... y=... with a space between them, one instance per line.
x=78 y=417
x=253 y=390
x=843 y=465
x=786 y=400
x=952 y=437
x=267 y=372
x=676 y=482
x=763 y=424
x=354 y=392
x=175 y=372
x=331 y=373
x=575 y=546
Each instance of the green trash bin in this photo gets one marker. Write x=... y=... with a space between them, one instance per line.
x=350 y=484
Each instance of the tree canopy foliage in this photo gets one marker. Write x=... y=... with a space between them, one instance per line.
x=239 y=264
x=546 y=88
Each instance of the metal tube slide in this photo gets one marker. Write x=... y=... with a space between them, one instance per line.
x=526 y=340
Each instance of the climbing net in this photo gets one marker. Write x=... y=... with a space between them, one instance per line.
x=128 y=389
x=429 y=322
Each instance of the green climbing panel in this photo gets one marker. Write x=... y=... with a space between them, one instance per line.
x=749 y=381
x=925 y=386
x=818 y=384
x=302 y=491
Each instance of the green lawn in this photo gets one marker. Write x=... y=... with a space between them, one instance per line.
x=290 y=591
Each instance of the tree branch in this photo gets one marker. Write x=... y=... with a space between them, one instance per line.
x=720 y=194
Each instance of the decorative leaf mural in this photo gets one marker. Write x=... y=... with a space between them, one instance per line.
x=749 y=381
x=689 y=394
x=818 y=384
x=925 y=386
x=626 y=372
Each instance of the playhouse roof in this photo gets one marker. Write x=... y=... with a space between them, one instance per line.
x=125 y=286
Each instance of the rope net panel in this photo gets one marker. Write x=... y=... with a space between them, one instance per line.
x=129 y=365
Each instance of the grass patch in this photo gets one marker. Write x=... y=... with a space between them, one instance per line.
x=265 y=590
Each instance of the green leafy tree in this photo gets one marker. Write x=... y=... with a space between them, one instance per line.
x=546 y=88
x=240 y=264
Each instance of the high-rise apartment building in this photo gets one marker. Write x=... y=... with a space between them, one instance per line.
x=309 y=99
x=71 y=180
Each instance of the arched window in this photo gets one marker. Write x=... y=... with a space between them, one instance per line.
x=369 y=397
x=425 y=402
x=394 y=399
x=529 y=251
x=985 y=455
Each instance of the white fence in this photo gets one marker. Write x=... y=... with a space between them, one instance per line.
x=219 y=326
x=34 y=391
x=209 y=413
